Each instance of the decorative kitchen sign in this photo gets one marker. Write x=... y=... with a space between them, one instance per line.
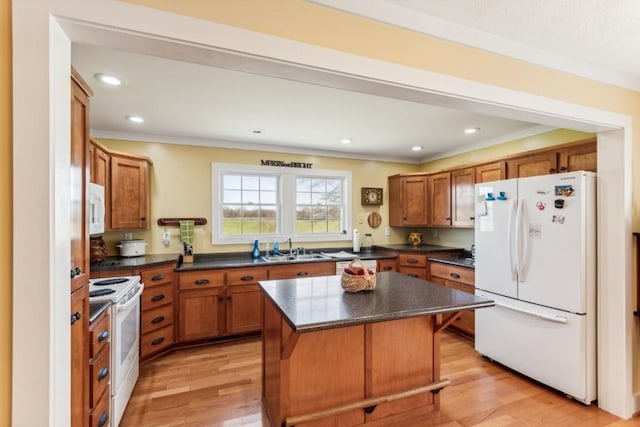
x=283 y=164
x=564 y=190
x=535 y=231
x=371 y=196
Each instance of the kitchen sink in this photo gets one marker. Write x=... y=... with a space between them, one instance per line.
x=293 y=257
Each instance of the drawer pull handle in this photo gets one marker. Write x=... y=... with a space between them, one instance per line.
x=246 y=278
x=157 y=341
x=202 y=281
x=104 y=417
x=157 y=319
x=103 y=335
x=455 y=275
x=387 y=268
x=158 y=277
x=412 y=261
x=302 y=273
x=76 y=316
x=157 y=298
x=103 y=373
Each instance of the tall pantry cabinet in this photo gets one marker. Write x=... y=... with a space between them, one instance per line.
x=79 y=399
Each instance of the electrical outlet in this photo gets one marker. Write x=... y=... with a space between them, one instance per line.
x=128 y=235
x=435 y=232
x=165 y=238
x=387 y=231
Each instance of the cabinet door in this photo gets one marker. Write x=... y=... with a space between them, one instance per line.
x=79 y=186
x=415 y=208
x=244 y=309
x=128 y=193
x=495 y=171
x=440 y=198
x=99 y=165
x=532 y=165
x=80 y=357
x=462 y=192
x=201 y=314
x=582 y=157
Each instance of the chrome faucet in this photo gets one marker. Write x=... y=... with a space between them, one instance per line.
x=289 y=240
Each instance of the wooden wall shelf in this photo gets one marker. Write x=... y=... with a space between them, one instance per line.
x=176 y=221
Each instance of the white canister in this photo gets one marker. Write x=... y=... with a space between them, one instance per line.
x=129 y=248
x=356 y=240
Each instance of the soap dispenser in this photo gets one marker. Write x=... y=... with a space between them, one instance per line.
x=256 y=250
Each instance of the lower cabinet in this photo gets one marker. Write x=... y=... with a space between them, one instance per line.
x=302 y=269
x=80 y=382
x=157 y=310
x=387 y=265
x=462 y=279
x=417 y=264
x=100 y=371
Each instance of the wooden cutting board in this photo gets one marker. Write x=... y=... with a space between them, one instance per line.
x=374 y=220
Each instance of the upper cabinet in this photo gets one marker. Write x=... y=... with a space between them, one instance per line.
x=568 y=159
x=125 y=178
x=440 y=197
x=408 y=204
x=494 y=171
x=462 y=194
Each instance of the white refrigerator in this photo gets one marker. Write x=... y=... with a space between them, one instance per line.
x=536 y=258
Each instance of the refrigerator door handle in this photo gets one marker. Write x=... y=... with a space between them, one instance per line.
x=511 y=240
x=521 y=236
x=551 y=318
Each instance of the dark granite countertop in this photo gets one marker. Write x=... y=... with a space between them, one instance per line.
x=318 y=303
x=405 y=247
x=458 y=261
x=243 y=259
x=96 y=309
x=114 y=263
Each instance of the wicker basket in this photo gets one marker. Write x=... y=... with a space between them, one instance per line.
x=358 y=282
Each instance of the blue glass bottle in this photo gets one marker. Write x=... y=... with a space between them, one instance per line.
x=256 y=250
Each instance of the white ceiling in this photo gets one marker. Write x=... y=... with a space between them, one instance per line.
x=197 y=104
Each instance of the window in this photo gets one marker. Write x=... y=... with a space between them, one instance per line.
x=266 y=203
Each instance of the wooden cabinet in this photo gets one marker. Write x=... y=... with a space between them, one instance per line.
x=99 y=165
x=440 y=198
x=463 y=197
x=408 y=202
x=462 y=279
x=100 y=370
x=201 y=304
x=80 y=356
x=387 y=265
x=79 y=236
x=414 y=265
x=129 y=193
x=494 y=171
x=157 y=310
x=576 y=157
x=244 y=299
x=302 y=269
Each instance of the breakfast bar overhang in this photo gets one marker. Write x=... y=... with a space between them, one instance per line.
x=332 y=357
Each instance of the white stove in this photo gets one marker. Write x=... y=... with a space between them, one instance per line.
x=124 y=292
x=113 y=288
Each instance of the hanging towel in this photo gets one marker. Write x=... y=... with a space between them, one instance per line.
x=186 y=231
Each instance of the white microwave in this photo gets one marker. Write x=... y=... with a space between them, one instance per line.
x=96 y=208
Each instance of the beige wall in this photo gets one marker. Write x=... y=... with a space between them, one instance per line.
x=181 y=187
x=6 y=207
x=308 y=23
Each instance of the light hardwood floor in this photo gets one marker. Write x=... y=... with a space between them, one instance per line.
x=220 y=385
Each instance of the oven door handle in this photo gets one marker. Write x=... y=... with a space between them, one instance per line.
x=132 y=300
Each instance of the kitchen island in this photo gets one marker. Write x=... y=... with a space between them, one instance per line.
x=337 y=358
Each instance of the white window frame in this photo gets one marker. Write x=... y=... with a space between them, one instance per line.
x=286 y=200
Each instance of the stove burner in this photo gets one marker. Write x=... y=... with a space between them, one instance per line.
x=107 y=282
x=101 y=292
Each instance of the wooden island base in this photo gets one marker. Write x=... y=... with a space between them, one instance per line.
x=373 y=373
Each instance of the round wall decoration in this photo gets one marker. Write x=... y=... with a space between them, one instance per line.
x=374 y=219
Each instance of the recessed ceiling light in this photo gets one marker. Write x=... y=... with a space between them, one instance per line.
x=417 y=148
x=471 y=130
x=257 y=131
x=346 y=141
x=134 y=119
x=109 y=79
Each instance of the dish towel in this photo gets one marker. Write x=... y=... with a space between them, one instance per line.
x=186 y=231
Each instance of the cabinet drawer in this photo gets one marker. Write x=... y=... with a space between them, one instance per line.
x=157 y=276
x=100 y=372
x=300 y=270
x=157 y=296
x=246 y=276
x=156 y=318
x=100 y=415
x=418 y=272
x=412 y=260
x=100 y=334
x=201 y=279
x=155 y=341
x=453 y=272
x=386 y=265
